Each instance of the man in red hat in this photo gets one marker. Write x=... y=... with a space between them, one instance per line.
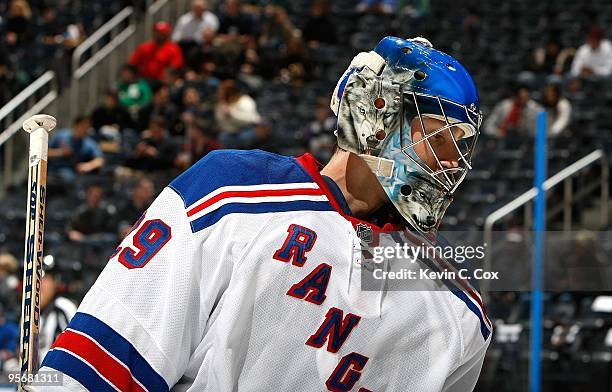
x=152 y=58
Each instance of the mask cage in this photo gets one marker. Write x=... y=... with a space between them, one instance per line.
x=461 y=126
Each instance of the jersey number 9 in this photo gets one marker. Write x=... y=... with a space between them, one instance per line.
x=146 y=242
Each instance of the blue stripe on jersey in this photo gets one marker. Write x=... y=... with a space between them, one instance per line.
x=236 y=167
x=459 y=293
x=484 y=330
x=121 y=348
x=77 y=369
x=258 y=208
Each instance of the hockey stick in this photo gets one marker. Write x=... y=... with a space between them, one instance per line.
x=38 y=127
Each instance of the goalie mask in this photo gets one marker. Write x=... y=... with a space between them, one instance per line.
x=412 y=114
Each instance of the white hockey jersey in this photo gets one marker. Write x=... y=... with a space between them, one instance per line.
x=243 y=275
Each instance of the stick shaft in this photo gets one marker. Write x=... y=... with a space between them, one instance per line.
x=34 y=234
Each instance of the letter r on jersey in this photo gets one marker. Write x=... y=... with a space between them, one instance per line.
x=299 y=240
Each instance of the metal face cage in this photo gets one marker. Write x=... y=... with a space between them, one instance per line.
x=461 y=126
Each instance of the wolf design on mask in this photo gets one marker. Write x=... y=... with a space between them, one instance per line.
x=368 y=124
x=423 y=202
x=369 y=110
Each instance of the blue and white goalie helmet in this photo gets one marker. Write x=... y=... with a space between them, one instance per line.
x=412 y=114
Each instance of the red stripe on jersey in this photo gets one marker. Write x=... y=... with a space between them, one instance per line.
x=110 y=368
x=480 y=304
x=258 y=193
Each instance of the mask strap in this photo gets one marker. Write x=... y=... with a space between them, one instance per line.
x=380 y=166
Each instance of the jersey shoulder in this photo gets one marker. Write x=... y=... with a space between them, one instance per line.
x=245 y=181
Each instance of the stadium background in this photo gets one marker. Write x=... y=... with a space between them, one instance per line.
x=261 y=78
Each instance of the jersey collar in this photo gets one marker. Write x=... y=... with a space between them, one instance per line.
x=334 y=189
x=313 y=168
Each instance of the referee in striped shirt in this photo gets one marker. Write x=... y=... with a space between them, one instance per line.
x=56 y=311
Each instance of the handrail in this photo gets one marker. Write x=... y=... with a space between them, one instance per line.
x=9 y=149
x=156 y=6
x=20 y=98
x=99 y=34
x=563 y=176
x=548 y=184
x=39 y=106
x=105 y=51
x=79 y=70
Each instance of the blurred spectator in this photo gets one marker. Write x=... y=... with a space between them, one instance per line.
x=295 y=63
x=134 y=92
x=594 y=58
x=415 y=10
x=175 y=82
x=192 y=107
x=236 y=115
x=160 y=105
x=264 y=137
x=200 y=141
x=194 y=33
x=558 y=109
x=206 y=85
x=204 y=52
x=56 y=311
x=51 y=28
x=377 y=6
x=37 y=29
x=141 y=196
x=153 y=58
x=8 y=279
x=251 y=73
x=60 y=29
x=95 y=216
x=552 y=59
x=234 y=21
x=319 y=133
x=72 y=151
x=228 y=54
x=586 y=267
x=277 y=30
x=191 y=26
x=18 y=27
x=281 y=44
x=111 y=114
x=319 y=27
x=514 y=114
x=156 y=151
x=9 y=340
x=7 y=82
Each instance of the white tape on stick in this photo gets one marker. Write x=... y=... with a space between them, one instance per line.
x=39 y=145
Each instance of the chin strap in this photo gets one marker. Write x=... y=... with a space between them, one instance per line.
x=380 y=166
